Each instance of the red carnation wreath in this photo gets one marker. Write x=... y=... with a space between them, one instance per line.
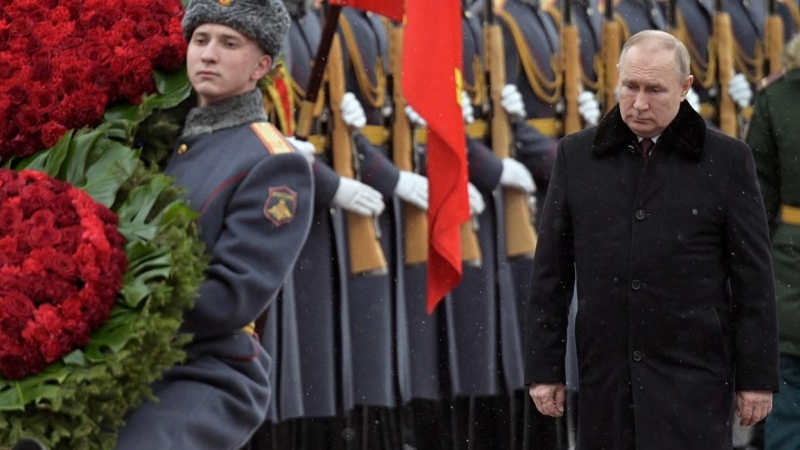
x=61 y=266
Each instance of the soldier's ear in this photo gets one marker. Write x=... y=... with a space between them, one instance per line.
x=263 y=66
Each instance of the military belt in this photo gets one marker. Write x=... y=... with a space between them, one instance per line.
x=708 y=111
x=320 y=143
x=475 y=130
x=549 y=126
x=790 y=215
x=376 y=134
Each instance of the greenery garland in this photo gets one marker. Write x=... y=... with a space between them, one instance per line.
x=79 y=402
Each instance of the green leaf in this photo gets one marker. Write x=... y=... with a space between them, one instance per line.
x=33 y=389
x=79 y=149
x=113 y=336
x=173 y=87
x=114 y=167
x=41 y=160
x=76 y=358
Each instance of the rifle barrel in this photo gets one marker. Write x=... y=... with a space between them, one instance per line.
x=321 y=58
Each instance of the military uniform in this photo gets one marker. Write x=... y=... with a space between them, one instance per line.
x=775 y=140
x=255 y=213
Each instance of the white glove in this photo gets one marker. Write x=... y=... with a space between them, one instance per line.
x=516 y=176
x=415 y=118
x=476 y=203
x=357 y=197
x=589 y=108
x=739 y=90
x=413 y=188
x=304 y=148
x=352 y=111
x=511 y=101
x=467 y=111
x=693 y=99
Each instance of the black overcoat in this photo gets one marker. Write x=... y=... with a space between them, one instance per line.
x=674 y=280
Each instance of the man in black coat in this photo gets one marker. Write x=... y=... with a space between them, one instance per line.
x=669 y=245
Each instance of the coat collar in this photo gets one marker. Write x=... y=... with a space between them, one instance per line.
x=685 y=135
x=231 y=112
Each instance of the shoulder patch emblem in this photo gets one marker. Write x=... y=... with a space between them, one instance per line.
x=272 y=139
x=281 y=205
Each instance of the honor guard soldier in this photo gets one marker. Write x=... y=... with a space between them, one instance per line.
x=310 y=335
x=254 y=196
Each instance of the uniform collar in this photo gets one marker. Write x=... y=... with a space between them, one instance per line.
x=231 y=112
x=685 y=135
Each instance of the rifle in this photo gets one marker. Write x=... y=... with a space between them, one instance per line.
x=773 y=39
x=611 y=43
x=723 y=41
x=571 y=63
x=520 y=234
x=415 y=220
x=366 y=253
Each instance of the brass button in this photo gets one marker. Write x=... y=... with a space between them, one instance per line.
x=182 y=149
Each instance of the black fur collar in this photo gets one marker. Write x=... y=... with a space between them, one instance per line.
x=685 y=135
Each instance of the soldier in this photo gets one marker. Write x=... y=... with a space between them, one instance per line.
x=255 y=213
x=376 y=302
x=775 y=141
x=313 y=329
x=694 y=26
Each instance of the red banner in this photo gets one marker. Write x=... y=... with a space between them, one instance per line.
x=392 y=9
x=432 y=86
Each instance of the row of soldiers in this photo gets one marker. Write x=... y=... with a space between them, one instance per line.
x=359 y=363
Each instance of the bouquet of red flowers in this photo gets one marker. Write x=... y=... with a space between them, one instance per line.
x=91 y=232
x=61 y=265
x=62 y=61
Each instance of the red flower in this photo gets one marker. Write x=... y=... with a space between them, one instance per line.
x=61 y=265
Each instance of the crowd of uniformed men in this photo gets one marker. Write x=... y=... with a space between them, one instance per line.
x=358 y=362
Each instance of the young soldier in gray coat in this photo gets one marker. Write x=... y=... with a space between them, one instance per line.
x=255 y=202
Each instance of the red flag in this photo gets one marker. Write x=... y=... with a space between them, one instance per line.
x=392 y=9
x=432 y=86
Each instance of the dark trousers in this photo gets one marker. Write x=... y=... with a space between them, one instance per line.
x=782 y=431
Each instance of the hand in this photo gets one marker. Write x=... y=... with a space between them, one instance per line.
x=413 y=188
x=511 y=101
x=693 y=99
x=358 y=198
x=549 y=398
x=740 y=91
x=589 y=108
x=352 y=111
x=476 y=203
x=516 y=176
x=753 y=406
x=415 y=118
x=304 y=148
x=467 y=111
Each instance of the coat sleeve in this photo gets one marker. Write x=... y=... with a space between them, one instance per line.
x=484 y=167
x=749 y=267
x=537 y=152
x=377 y=171
x=765 y=152
x=552 y=285
x=253 y=254
x=326 y=182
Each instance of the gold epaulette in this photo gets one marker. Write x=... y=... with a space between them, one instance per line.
x=766 y=81
x=790 y=215
x=549 y=126
x=272 y=139
x=376 y=134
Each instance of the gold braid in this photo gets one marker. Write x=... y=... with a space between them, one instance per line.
x=752 y=68
x=375 y=95
x=476 y=90
x=538 y=81
x=705 y=71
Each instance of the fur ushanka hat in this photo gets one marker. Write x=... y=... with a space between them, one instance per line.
x=266 y=21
